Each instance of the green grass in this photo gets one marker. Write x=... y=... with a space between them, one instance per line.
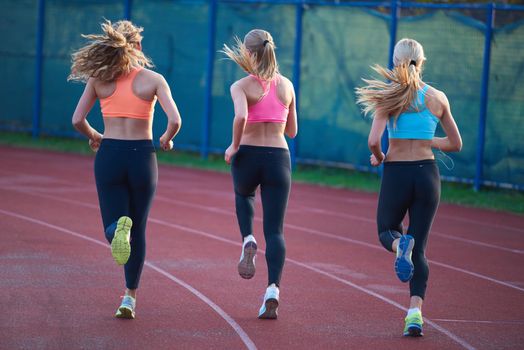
x=489 y=198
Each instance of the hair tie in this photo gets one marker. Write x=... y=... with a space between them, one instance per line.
x=265 y=42
x=412 y=62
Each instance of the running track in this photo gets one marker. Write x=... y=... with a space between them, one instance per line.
x=59 y=287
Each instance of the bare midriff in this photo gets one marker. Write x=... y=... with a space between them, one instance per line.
x=264 y=134
x=124 y=128
x=409 y=150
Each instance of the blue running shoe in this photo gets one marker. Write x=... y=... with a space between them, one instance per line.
x=403 y=264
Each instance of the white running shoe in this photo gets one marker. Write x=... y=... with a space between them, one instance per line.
x=127 y=308
x=246 y=265
x=269 y=308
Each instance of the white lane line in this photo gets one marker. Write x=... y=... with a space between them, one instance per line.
x=516 y=322
x=433 y=232
x=344 y=239
x=298 y=228
x=236 y=327
x=306 y=266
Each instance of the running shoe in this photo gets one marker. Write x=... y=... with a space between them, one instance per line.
x=403 y=264
x=269 y=308
x=413 y=327
x=246 y=265
x=127 y=308
x=120 y=247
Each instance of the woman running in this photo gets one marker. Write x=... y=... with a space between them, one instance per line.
x=126 y=173
x=410 y=110
x=265 y=110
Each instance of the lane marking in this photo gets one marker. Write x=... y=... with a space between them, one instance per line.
x=292 y=261
x=236 y=327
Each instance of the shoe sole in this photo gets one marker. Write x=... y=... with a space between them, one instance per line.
x=120 y=247
x=246 y=266
x=271 y=312
x=414 y=330
x=125 y=312
x=403 y=264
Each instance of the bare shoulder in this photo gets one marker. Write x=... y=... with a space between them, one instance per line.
x=437 y=95
x=286 y=81
x=241 y=84
x=150 y=74
x=436 y=101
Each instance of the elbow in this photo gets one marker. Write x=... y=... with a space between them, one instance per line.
x=76 y=123
x=458 y=146
x=373 y=145
x=241 y=118
x=291 y=134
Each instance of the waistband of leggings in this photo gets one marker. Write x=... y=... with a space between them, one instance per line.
x=410 y=162
x=264 y=149
x=127 y=144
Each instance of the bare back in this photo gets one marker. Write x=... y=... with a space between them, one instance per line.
x=412 y=150
x=264 y=133
x=145 y=86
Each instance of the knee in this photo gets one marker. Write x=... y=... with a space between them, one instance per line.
x=387 y=237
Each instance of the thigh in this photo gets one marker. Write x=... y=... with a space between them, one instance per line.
x=275 y=188
x=112 y=185
x=143 y=179
x=245 y=172
x=394 y=198
x=425 y=203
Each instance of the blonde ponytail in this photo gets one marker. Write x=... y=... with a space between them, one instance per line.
x=397 y=95
x=109 y=55
x=255 y=55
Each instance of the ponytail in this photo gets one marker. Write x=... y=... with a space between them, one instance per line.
x=256 y=55
x=396 y=95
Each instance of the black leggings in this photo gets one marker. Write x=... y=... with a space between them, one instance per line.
x=412 y=187
x=269 y=167
x=126 y=175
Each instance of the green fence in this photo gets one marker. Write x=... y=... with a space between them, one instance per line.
x=324 y=47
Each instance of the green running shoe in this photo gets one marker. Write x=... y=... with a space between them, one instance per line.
x=120 y=247
x=413 y=327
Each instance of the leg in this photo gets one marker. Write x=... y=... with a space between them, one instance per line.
x=143 y=177
x=393 y=202
x=421 y=215
x=245 y=173
x=112 y=188
x=274 y=190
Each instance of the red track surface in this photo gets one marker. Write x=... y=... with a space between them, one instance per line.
x=59 y=286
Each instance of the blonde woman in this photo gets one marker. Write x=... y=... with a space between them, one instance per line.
x=410 y=110
x=113 y=65
x=265 y=110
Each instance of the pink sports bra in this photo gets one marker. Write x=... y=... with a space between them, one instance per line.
x=269 y=108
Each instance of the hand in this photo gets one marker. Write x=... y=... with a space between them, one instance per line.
x=165 y=144
x=230 y=152
x=94 y=143
x=374 y=161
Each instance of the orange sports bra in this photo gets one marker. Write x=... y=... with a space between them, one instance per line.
x=124 y=103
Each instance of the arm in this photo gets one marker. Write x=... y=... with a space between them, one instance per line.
x=239 y=123
x=453 y=141
x=291 y=129
x=375 y=138
x=79 y=120
x=174 y=122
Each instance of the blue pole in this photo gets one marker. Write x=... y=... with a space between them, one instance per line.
x=206 y=120
x=392 y=41
x=484 y=97
x=39 y=57
x=127 y=9
x=296 y=72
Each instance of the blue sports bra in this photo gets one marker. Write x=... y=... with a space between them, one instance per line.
x=416 y=123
